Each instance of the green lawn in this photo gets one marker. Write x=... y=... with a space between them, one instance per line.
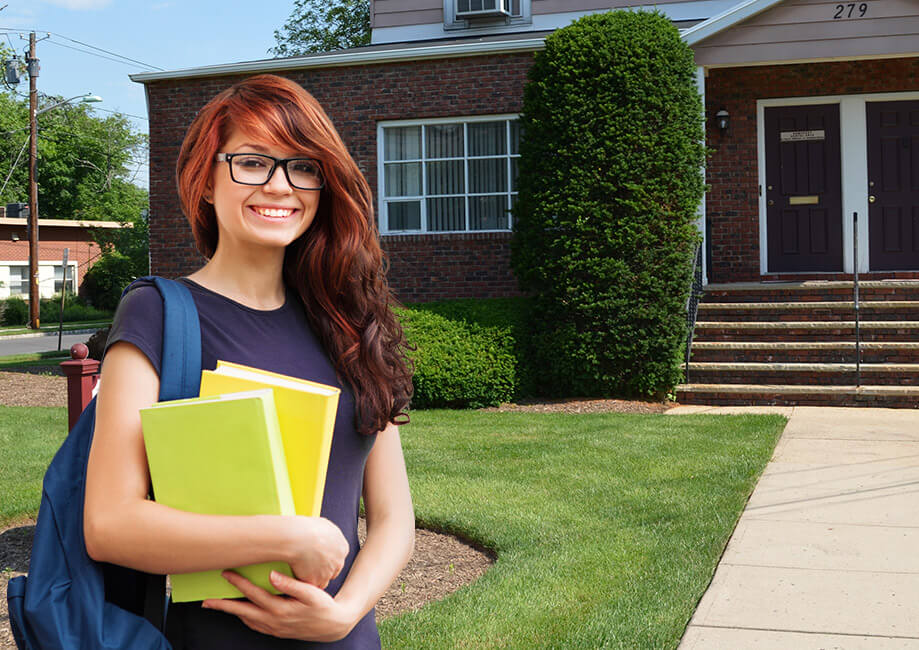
x=607 y=527
x=48 y=328
x=29 y=436
x=14 y=361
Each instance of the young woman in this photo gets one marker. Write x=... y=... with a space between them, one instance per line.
x=293 y=284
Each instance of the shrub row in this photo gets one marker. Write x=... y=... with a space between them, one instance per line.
x=15 y=311
x=468 y=353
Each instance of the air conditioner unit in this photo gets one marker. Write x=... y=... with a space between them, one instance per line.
x=481 y=8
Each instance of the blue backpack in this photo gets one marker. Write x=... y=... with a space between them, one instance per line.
x=68 y=601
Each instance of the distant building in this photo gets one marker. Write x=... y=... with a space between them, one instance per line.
x=812 y=113
x=54 y=236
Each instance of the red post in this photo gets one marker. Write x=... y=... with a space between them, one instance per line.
x=82 y=374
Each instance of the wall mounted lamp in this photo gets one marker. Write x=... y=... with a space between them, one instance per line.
x=15 y=236
x=722 y=119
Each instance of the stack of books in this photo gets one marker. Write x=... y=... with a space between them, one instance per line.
x=253 y=442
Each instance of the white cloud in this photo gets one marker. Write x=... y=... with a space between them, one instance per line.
x=80 y=5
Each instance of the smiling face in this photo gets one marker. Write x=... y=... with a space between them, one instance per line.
x=269 y=216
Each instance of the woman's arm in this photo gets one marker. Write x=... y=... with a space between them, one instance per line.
x=390 y=526
x=123 y=527
x=310 y=613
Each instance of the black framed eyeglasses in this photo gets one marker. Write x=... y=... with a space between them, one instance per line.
x=257 y=169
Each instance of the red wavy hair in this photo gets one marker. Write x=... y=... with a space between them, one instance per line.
x=336 y=266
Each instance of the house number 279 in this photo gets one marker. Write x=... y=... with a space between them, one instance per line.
x=850 y=10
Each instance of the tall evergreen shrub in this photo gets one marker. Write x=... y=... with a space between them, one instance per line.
x=610 y=181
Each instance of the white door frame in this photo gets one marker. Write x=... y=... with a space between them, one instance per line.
x=853 y=135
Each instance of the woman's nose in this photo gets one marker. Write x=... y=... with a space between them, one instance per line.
x=277 y=183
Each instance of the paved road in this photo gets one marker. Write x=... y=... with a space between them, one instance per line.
x=43 y=343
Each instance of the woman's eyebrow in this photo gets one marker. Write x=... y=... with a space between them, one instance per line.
x=250 y=145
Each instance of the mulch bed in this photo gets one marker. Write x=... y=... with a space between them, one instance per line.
x=440 y=565
x=33 y=386
x=585 y=406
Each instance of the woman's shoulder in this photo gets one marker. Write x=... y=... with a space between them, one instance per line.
x=139 y=321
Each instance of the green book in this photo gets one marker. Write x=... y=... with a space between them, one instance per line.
x=220 y=455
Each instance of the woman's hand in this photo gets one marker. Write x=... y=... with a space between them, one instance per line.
x=319 y=550
x=306 y=612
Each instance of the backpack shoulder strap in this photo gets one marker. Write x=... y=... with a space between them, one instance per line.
x=180 y=377
x=180 y=368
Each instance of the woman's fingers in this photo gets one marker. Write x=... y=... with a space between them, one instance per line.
x=260 y=599
x=302 y=591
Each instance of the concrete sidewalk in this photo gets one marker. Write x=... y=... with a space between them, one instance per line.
x=826 y=553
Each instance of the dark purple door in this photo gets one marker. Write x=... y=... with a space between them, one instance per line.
x=803 y=189
x=893 y=185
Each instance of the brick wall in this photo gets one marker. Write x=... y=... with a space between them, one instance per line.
x=52 y=242
x=732 y=206
x=422 y=267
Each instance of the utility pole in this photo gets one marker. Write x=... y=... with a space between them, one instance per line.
x=33 y=186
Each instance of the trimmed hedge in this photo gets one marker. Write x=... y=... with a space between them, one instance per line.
x=458 y=364
x=74 y=310
x=14 y=311
x=510 y=316
x=610 y=181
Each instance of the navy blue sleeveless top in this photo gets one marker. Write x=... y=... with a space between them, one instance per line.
x=282 y=341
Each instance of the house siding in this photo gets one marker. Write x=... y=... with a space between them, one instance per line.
x=808 y=29
x=391 y=13
x=732 y=204
x=422 y=267
x=404 y=13
x=566 y=6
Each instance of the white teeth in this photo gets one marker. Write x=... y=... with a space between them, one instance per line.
x=274 y=212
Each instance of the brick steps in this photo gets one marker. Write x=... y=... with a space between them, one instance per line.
x=804 y=352
x=824 y=374
x=740 y=331
x=793 y=343
x=839 y=310
x=773 y=395
x=812 y=291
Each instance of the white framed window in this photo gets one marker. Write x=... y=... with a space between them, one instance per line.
x=59 y=278
x=14 y=278
x=448 y=175
x=19 y=280
x=515 y=12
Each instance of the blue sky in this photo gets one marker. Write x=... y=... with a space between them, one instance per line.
x=168 y=34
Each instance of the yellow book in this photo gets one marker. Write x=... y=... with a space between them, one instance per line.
x=222 y=456
x=306 y=413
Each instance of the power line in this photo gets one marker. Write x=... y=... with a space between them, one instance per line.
x=25 y=128
x=100 y=56
x=13 y=168
x=120 y=57
x=72 y=40
x=105 y=110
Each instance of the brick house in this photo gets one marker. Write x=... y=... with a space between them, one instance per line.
x=812 y=115
x=54 y=236
x=828 y=85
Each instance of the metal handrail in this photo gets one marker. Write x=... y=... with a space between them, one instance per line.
x=858 y=351
x=692 y=305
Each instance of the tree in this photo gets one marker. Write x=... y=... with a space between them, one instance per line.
x=85 y=171
x=610 y=181
x=84 y=161
x=322 y=26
